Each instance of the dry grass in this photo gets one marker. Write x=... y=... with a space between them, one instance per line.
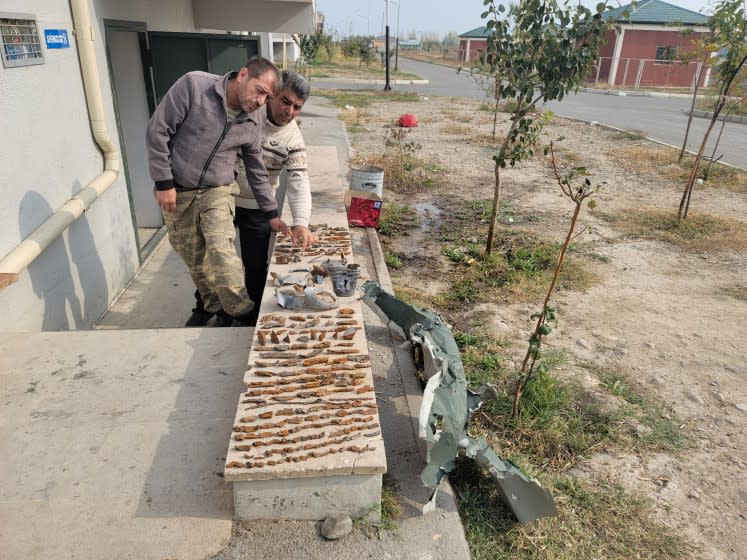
x=701 y=231
x=629 y=134
x=355 y=119
x=644 y=158
x=413 y=174
x=566 y=157
x=662 y=162
x=487 y=140
x=737 y=291
x=456 y=129
x=413 y=296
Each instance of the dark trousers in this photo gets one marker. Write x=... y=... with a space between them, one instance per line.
x=254 y=236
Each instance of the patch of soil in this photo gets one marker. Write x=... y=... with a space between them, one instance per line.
x=676 y=319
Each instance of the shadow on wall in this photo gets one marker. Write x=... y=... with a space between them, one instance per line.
x=70 y=303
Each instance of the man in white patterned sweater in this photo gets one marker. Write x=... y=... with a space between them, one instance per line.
x=282 y=147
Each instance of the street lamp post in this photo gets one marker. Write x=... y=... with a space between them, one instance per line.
x=396 y=46
x=387 y=87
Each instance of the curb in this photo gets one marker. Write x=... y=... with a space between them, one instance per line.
x=654 y=140
x=373 y=82
x=709 y=114
x=628 y=93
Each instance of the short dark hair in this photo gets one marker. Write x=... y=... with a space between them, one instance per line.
x=257 y=65
x=296 y=83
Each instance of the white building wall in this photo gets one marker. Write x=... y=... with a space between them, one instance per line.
x=47 y=156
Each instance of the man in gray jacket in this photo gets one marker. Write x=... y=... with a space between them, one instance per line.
x=283 y=147
x=192 y=140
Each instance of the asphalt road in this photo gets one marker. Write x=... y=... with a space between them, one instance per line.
x=661 y=118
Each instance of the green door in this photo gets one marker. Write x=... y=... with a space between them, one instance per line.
x=229 y=53
x=174 y=54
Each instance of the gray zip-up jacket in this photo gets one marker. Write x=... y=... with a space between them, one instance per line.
x=192 y=143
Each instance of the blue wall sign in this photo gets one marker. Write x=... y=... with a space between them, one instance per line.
x=56 y=39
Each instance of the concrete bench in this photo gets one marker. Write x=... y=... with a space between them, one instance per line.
x=306 y=440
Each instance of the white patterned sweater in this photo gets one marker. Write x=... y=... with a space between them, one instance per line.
x=282 y=146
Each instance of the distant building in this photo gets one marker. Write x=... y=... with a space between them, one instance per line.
x=649 y=41
x=471 y=42
x=410 y=45
x=644 y=52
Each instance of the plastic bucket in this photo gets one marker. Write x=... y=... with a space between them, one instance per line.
x=369 y=178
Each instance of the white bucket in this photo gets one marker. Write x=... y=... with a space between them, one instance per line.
x=369 y=178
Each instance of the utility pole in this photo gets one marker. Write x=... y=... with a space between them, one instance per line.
x=396 y=46
x=387 y=87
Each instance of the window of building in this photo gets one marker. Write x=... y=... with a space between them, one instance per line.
x=666 y=54
x=19 y=40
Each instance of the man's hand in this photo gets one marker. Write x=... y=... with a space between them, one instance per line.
x=167 y=200
x=278 y=225
x=303 y=237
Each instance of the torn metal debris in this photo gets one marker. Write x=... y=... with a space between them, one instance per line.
x=447 y=404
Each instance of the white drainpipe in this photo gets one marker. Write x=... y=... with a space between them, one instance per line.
x=31 y=247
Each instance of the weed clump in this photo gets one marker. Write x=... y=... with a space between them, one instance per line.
x=397 y=219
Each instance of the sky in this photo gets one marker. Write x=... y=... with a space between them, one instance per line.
x=365 y=17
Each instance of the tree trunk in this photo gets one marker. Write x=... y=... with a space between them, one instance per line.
x=692 y=107
x=718 y=139
x=497 y=192
x=522 y=384
x=687 y=193
x=497 y=96
x=723 y=96
x=494 y=210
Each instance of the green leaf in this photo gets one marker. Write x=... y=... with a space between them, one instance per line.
x=545 y=329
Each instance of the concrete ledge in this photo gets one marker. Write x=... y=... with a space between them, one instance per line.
x=357 y=495
x=307 y=437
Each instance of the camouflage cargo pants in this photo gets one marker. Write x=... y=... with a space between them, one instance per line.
x=202 y=233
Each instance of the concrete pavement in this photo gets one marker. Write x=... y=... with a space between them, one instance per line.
x=111 y=442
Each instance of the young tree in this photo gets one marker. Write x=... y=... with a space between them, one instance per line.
x=540 y=51
x=576 y=186
x=450 y=41
x=430 y=40
x=739 y=95
x=702 y=52
x=729 y=32
x=309 y=45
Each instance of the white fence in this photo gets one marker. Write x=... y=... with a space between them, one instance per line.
x=639 y=73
